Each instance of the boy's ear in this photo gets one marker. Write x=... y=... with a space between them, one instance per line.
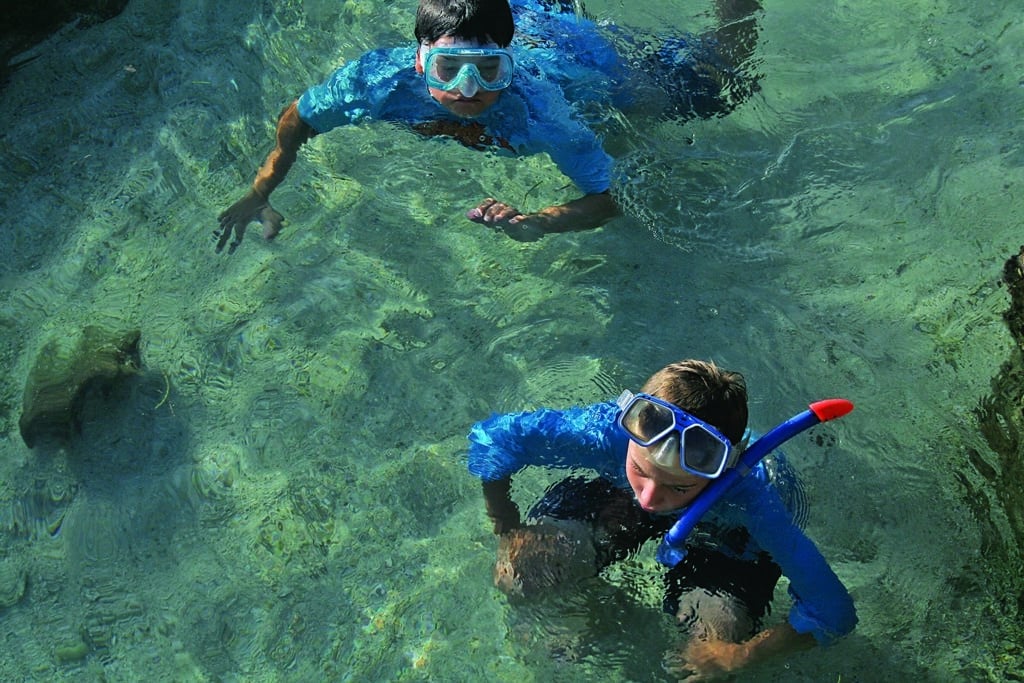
x=419 y=62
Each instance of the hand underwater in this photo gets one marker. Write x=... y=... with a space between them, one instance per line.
x=706 y=660
x=236 y=218
x=505 y=218
x=535 y=559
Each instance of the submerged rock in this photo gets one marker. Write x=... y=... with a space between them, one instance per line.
x=1000 y=416
x=997 y=498
x=1000 y=495
x=64 y=374
x=1013 y=276
x=27 y=23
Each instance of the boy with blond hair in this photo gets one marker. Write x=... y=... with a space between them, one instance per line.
x=653 y=454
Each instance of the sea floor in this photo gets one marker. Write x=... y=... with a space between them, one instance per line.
x=281 y=494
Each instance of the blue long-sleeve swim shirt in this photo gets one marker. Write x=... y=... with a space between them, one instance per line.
x=562 y=62
x=531 y=116
x=766 y=502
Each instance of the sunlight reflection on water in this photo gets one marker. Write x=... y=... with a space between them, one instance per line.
x=282 y=492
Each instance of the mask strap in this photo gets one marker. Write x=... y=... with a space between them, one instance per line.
x=736 y=453
x=624 y=398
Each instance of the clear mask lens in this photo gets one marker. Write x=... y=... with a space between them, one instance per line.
x=673 y=438
x=647 y=422
x=468 y=69
x=702 y=453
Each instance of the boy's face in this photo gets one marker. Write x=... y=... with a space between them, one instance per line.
x=657 y=490
x=453 y=100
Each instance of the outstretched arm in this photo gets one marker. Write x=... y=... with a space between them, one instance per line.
x=822 y=610
x=292 y=132
x=588 y=212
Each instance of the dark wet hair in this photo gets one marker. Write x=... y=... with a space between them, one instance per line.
x=481 y=20
x=701 y=388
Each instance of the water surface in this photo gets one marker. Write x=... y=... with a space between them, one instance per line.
x=281 y=494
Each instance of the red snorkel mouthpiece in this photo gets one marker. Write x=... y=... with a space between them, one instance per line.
x=831 y=408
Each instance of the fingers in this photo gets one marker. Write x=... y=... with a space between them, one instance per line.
x=227 y=229
x=236 y=218
x=232 y=222
x=507 y=219
x=493 y=211
x=677 y=666
x=476 y=214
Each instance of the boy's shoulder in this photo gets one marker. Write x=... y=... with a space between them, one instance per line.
x=379 y=84
x=385 y=60
x=372 y=68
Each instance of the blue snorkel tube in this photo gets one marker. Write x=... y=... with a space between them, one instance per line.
x=673 y=550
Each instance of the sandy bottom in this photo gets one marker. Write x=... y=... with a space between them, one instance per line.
x=281 y=493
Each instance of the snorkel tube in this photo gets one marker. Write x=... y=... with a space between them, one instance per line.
x=673 y=550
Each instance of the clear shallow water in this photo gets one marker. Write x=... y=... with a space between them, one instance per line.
x=280 y=496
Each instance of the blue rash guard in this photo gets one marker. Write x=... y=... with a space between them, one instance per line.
x=567 y=70
x=531 y=116
x=562 y=61
x=589 y=438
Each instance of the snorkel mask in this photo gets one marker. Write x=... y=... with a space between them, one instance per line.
x=674 y=438
x=467 y=69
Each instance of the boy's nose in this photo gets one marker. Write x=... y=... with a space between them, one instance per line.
x=468 y=87
x=650 y=497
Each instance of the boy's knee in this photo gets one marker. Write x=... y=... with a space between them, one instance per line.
x=714 y=616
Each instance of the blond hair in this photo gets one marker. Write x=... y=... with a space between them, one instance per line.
x=701 y=388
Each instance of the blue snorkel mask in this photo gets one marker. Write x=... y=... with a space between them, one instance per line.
x=467 y=69
x=673 y=437
x=708 y=454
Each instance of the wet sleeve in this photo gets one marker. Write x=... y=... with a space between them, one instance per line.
x=354 y=92
x=821 y=604
x=583 y=160
x=502 y=445
x=556 y=129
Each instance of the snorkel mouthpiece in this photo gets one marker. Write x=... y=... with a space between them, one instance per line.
x=673 y=549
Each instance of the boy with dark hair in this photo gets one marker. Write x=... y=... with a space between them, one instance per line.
x=488 y=94
x=654 y=453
